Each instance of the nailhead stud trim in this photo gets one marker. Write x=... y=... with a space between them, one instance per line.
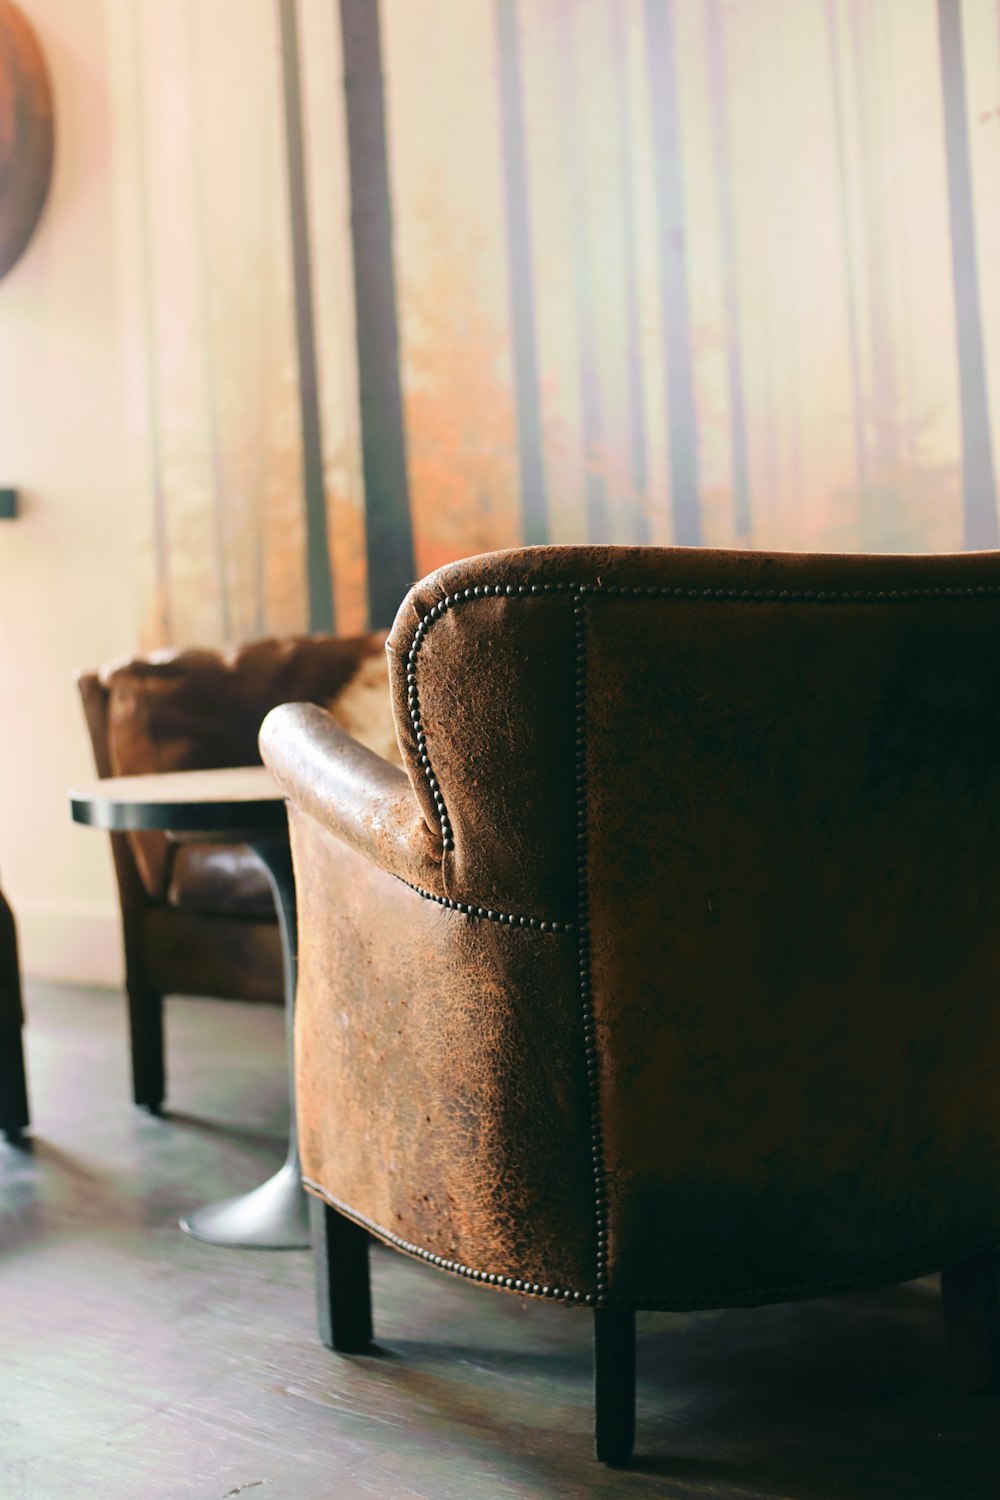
x=797 y=596
x=669 y=1301
x=424 y=625
x=592 y=1063
x=470 y=909
x=522 y=1285
x=612 y=590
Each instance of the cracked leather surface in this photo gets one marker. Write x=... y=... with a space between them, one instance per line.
x=440 y=1070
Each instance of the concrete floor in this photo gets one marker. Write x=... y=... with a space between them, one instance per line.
x=140 y=1365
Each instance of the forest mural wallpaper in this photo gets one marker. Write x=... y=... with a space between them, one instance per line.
x=426 y=277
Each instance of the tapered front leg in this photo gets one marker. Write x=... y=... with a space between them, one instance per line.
x=614 y=1384
x=970 y=1296
x=13 y=1085
x=343 y=1284
x=145 y=1020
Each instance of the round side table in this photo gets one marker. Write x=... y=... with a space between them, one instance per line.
x=245 y=805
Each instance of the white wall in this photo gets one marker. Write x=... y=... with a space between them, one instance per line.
x=67 y=573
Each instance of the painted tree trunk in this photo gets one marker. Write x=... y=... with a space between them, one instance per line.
x=785 y=206
x=159 y=623
x=883 y=411
x=319 y=581
x=223 y=546
x=742 y=519
x=888 y=111
x=846 y=241
x=531 y=462
x=637 y=441
x=682 y=428
x=978 y=485
x=757 y=171
x=569 y=109
x=389 y=528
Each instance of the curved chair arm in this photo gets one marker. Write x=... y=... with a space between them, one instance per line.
x=351 y=792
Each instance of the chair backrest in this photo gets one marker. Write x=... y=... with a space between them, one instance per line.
x=199 y=709
x=764 y=789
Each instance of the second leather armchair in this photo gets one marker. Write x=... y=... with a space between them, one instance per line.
x=199 y=919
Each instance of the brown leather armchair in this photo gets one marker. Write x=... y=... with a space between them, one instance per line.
x=667 y=973
x=199 y=919
x=13 y=1085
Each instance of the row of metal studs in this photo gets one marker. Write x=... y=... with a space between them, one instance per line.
x=521 y=1284
x=583 y=925
x=753 y=596
x=670 y=1301
x=485 y=590
x=504 y=918
x=449 y=601
x=797 y=596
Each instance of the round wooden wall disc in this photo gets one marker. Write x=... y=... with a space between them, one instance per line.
x=26 y=133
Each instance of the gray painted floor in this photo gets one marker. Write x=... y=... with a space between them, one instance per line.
x=140 y=1365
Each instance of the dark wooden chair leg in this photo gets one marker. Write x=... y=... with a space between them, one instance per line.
x=145 y=1019
x=614 y=1384
x=14 y=1118
x=13 y=1084
x=970 y=1296
x=343 y=1284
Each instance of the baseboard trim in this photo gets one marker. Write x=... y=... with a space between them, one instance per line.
x=75 y=944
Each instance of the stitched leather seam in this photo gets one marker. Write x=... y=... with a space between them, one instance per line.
x=470 y=909
x=521 y=1284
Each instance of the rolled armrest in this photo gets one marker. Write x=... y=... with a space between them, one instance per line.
x=351 y=792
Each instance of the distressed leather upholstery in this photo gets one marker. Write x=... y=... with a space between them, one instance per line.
x=199 y=918
x=668 y=974
x=13 y=1085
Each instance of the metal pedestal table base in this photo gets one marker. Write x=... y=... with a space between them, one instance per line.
x=273 y=1216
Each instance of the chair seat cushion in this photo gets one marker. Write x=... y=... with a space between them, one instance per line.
x=226 y=879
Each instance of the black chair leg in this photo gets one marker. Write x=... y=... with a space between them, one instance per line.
x=145 y=1020
x=970 y=1296
x=14 y=1118
x=343 y=1283
x=614 y=1384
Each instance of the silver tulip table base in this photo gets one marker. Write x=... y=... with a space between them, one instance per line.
x=244 y=805
x=275 y=1215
